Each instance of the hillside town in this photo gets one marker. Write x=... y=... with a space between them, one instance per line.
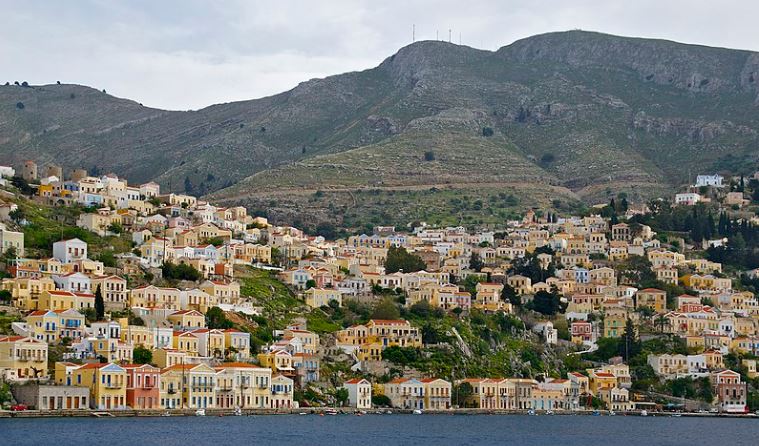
x=121 y=297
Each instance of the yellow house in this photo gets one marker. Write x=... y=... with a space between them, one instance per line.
x=437 y=394
x=107 y=384
x=167 y=357
x=320 y=297
x=615 y=320
x=51 y=326
x=197 y=385
x=242 y=385
x=64 y=300
x=279 y=361
x=26 y=292
x=154 y=297
x=599 y=381
x=223 y=292
x=184 y=319
x=488 y=297
x=185 y=341
x=653 y=298
x=22 y=358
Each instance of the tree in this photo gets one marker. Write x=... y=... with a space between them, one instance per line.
x=182 y=271
x=386 y=309
x=509 y=294
x=545 y=303
x=429 y=156
x=310 y=283
x=475 y=262
x=216 y=319
x=188 y=186
x=462 y=392
x=487 y=132
x=115 y=228
x=630 y=346
x=399 y=259
x=20 y=105
x=341 y=396
x=142 y=355
x=99 y=304
x=5 y=296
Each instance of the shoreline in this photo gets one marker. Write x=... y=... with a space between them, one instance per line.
x=322 y=411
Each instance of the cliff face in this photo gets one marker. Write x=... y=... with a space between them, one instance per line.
x=587 y=112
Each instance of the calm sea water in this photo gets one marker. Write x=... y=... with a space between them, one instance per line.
x=384 y=430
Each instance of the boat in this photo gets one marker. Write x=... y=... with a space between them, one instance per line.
x=677 y=415
x=166 y=414
x=417 y=411
x=303 y=413
x=549 y=412
x=200 y=413
x=612 y=413
x=238 y=412
x=596 y=413
x=330 y=412
x=388 y=412
x=644 y=413
x=531 y=412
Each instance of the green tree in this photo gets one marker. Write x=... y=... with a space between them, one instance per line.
x=475 y=262
x=116 y=228
x=386 y=309
x=310 y=283
x=5 y=297
x=99 y=304
x=545 y=303
x=461 y=393
x=630 y=346
x=509 y=294
x=399 y=259
x=216 y=319
x=142 y=355
x=341 y=396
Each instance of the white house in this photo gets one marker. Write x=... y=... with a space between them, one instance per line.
x=687 y=199
x=68 y=251
x=709 y=180
x=359 y=393
x=74 y=282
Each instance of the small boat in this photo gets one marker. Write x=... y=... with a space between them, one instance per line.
x=238 y=412
x=417 y=411
x=612 y=413
x=330 y=412
x=676 y=415
x=549 y=412
x=166 y=414
x=388 y=412
x=596 y=413
x=200 y=413
x=531 y=412
x=303 y=413
x=644 y=413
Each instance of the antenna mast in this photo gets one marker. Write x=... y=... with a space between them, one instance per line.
x=449 y=35
x=413 y=33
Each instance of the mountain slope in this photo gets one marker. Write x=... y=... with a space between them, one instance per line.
x=587 y=113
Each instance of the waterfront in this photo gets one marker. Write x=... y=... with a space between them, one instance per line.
x=442 y=430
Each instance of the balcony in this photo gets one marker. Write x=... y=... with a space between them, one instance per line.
x=113 y=386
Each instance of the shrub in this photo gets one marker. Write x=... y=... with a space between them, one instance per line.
x=487 y=132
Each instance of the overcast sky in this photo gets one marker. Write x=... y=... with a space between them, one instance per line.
x=187 y=54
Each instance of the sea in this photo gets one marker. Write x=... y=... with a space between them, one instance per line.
x=384 y=430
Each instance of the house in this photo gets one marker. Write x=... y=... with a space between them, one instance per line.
x=63 y=300
x=22 y=358
x=405 y=393
x=185 y=319
x=687 y=199
x=69 y=251
x=44 y=397
x=437 y=394
x=242 y=385
x=709 y=180
x=282 y=390
x=320 y=297
x=359 y=393
x=11 y=240
x=652 y=298
x=730 y=390
x=53 y=325
x=107 y=384
x=142 y=386
x=581 y=331
x=191 y=386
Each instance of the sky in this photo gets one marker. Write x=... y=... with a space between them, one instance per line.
x=188 y=54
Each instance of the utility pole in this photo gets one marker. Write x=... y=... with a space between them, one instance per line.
x=413 y=33
x=449 y=35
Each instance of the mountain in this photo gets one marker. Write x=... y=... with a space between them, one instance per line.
x=438 y=131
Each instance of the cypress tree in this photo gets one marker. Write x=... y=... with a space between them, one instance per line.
x=99 y=305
